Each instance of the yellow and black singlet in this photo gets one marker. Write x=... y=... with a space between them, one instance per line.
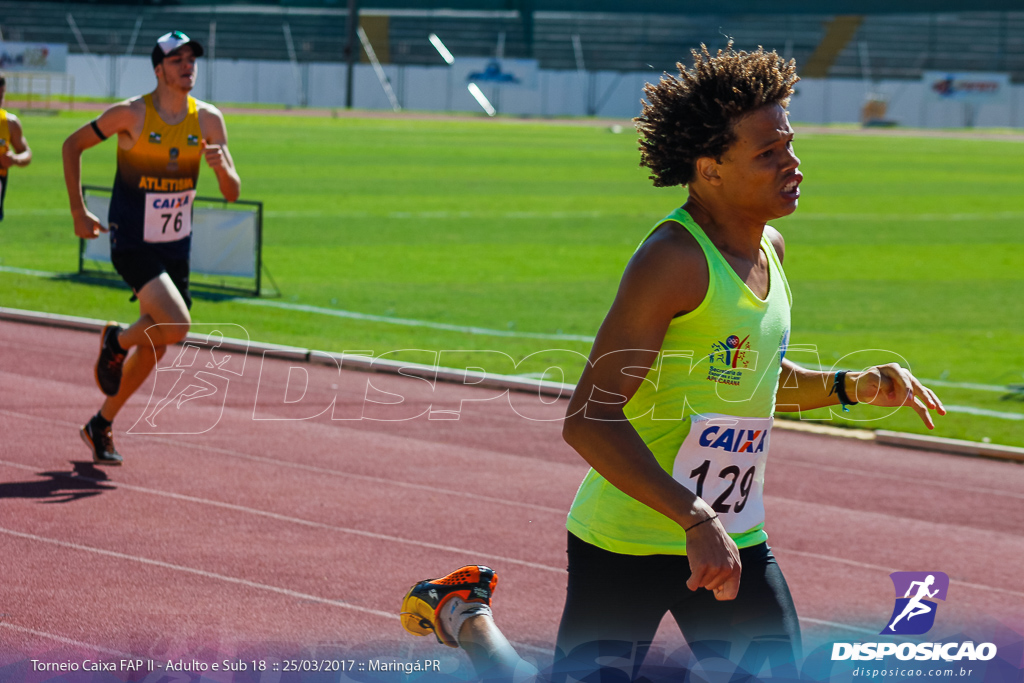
x=5 y=144
x=155 y=186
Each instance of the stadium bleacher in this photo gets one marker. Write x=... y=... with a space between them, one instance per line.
x=898 y=46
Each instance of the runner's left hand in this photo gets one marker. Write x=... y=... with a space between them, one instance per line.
x=891 y=386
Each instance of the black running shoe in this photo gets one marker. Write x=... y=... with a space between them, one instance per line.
x=111 y=361
x=101 y=441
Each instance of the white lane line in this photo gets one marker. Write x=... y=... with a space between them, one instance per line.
x=408 y=322
x=66 y=641
x=916 y=481
x=890 y=570
x=198 y=572
x=362 y=477
x=463 y=552
x=308 y=468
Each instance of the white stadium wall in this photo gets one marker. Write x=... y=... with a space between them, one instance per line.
x=558 y=93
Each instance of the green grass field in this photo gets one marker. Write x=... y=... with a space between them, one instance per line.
x=908 y=245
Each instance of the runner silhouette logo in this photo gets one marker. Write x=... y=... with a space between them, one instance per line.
x=916 y=593
x=190 y=385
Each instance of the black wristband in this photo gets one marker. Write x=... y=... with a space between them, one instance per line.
x=97 y=129
x=839 y=389
x=706 y=519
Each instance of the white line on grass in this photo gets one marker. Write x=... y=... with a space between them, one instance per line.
x=337 y=313
x=28 y=271
x=296 y=520
x=970 y=410
x=197 y=572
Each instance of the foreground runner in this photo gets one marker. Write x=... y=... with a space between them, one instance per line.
x=160 y=140
x=11 y=138
x=674 y=410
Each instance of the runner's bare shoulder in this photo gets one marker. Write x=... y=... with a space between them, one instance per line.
x=775 y=237
x=211 y=122
x=207 y=110
x=673 y=264
x=125 y=113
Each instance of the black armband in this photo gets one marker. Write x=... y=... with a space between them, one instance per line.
x=97 y=129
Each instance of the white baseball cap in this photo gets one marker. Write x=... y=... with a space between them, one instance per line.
x=171 y=42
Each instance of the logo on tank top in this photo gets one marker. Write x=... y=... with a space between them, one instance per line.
x=173 y=164
x=192 y=140
x=729 y=358
x=154 y=138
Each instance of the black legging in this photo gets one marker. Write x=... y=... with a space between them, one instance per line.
x=614 y=604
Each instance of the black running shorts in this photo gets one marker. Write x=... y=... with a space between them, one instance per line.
x=615 y=603
x=138 y=266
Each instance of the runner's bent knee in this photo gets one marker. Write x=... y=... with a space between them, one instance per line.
x=160 y=299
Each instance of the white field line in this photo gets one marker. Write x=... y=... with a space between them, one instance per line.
x=197 y=572
x=277 y=462
x=970 y=410
x=29 y=271
x=352 y=315
x=296 y=520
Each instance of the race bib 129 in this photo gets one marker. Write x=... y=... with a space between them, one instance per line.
x=168 y=216
x=722 y=460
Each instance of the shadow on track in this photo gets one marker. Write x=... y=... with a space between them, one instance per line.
x=84 y=481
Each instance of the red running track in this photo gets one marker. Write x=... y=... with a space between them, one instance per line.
x=268 y=536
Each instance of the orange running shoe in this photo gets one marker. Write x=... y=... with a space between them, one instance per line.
x=423 y=603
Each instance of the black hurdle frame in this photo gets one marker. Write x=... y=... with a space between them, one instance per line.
x=82 y=270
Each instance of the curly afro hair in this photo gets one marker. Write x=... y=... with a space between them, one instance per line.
x=692 y=116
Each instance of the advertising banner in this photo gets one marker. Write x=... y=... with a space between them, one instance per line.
x=483 y=71
x=33 y=57
x=967 y=87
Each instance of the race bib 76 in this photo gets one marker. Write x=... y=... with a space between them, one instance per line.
x=168 y=216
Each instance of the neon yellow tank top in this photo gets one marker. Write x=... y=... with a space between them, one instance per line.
x=716 y=377
x=5 y=138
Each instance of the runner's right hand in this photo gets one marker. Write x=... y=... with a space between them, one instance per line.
x=87 y=225
x=714 y=560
